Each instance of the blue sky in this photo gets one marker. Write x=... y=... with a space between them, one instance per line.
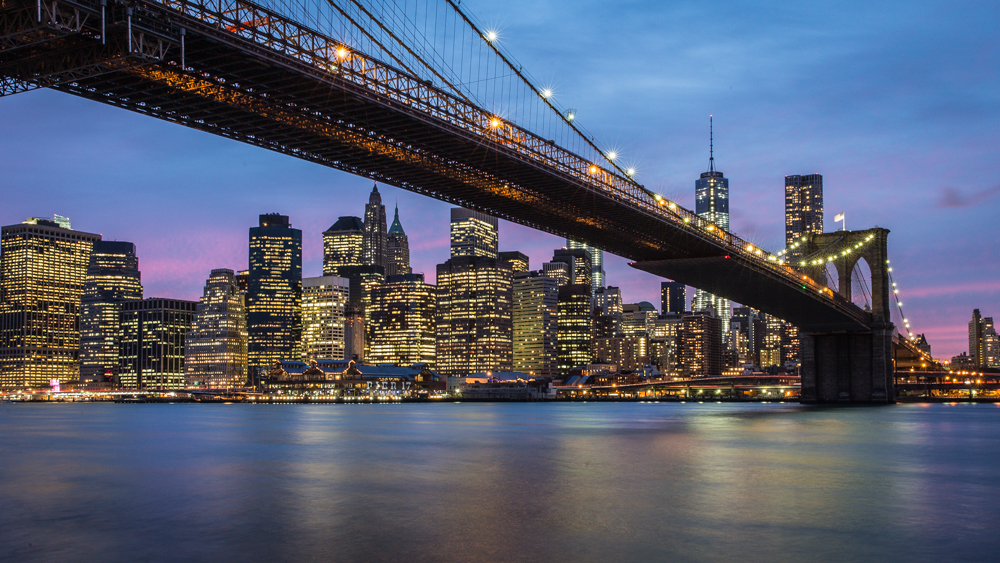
x=897 y=104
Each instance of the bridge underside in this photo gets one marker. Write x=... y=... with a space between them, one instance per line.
x=735 y=279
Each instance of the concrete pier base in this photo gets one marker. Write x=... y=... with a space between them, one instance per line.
x=848 y=367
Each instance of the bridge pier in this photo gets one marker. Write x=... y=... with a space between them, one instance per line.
x=848 y=367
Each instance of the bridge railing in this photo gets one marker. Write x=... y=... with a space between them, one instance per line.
x=335 y=60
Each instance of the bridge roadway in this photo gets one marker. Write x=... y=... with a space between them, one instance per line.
x=235 y=69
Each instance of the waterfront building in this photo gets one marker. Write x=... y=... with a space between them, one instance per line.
x=474 y=316
x=712 y=205
x=976 y=330
x=473 y=234
x=519 y=261
x=397 y=249
x=274 y=293
x=342 y=245
x=402 y=322
x=673 y=297
x=354 y=332
x=574 y=327
x=701 y=344
x=375 y=237
x=803 y=209
x=215 y=349
x=154 y=334
x=112 y=278
x=536 y=326
x=596 y=262
x=324 y=300
x=42 y=278
x=629 y=353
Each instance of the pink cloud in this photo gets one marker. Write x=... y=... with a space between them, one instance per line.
x=977 y=287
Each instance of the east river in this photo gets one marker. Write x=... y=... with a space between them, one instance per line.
x=575 y=482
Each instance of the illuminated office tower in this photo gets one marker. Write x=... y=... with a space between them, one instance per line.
x=215 y=351
x=112 y=278
x=374 y=241
x=536 y=326
x=474 y=324
x=607 y=311
x=324 y=300
x=354 y=332
x=574 y=332
x=402 y=321
x=673 y=297
x=44 y=267
x=274 y=293
x=712 y=205
x=803 y=209
x=580 y=261
x=519 y=261
x=473 y=234
x=154 y=333
x=562 y=272
x=342 y=245
x=700 y=344
x=638 y=318
x=397 y=249
x=596 y=261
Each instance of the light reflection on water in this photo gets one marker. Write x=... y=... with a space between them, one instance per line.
x=499 y=482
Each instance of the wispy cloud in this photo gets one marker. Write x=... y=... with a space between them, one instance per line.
x=951 y=197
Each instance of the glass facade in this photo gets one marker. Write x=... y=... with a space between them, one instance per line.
x=574 y=336
x=274 y=293
x=401 y=322
x=803 y=208
x=712 y=204
x=215 y=352
x=536 y=326
x=154 y=333
x=473 y=234
x=342 y=245
x=596 y=261
x=474 y=316
x=112 y=278
x=42 y=276
x=324 y=300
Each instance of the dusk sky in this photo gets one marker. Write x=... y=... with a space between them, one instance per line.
x=897 y=104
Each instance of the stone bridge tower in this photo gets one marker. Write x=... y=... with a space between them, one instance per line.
x=849 y=367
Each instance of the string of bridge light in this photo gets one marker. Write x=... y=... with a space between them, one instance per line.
x=899 y=304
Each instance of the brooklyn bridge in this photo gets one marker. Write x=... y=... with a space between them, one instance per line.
x=445 y=112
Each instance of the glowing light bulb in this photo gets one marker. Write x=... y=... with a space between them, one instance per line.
x=612 y=155
x=342 y=53
x=546 y=93
x=490 y=35
x=630 y=171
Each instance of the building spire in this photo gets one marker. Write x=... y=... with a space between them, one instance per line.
x=711 y=146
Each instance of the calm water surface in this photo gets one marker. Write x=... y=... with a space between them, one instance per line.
x=572 y=482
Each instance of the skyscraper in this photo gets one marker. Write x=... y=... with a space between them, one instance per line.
x=398 y=249
x=574 y=334
x=536 y=311
x=324 y=300
x=343 y=245
x=112 y=278
x=41 y=282
x=402 y=321
x=519 y=261
x=580 y=262
x=673 y=297
x=976 y=333
x=474 y=324
x=803 y=209
x=215 y=349
x=712 y=204
x=596 y=261
x=274 y=293
x=374 y=243
x=154 y=333
x=473 y=234
x=700 y=344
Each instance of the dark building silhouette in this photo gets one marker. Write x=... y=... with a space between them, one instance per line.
x=673 y=297
x=519 y=261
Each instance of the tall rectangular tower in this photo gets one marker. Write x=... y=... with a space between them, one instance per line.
x=803 y=208
x=375 y=237
x=343 y=245
x=274 y=293
x=536 y=311
x=575 y=329
x=154 y=333
x=112 y=278
x=596 y=261
x=401 y=322
x=324 y=301
x=712 y=204
x=215 y=351
x=41 y=282
x=673 y=297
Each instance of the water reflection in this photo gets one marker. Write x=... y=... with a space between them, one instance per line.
x=499 y=482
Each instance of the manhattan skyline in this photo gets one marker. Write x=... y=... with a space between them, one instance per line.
x=893 y=111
